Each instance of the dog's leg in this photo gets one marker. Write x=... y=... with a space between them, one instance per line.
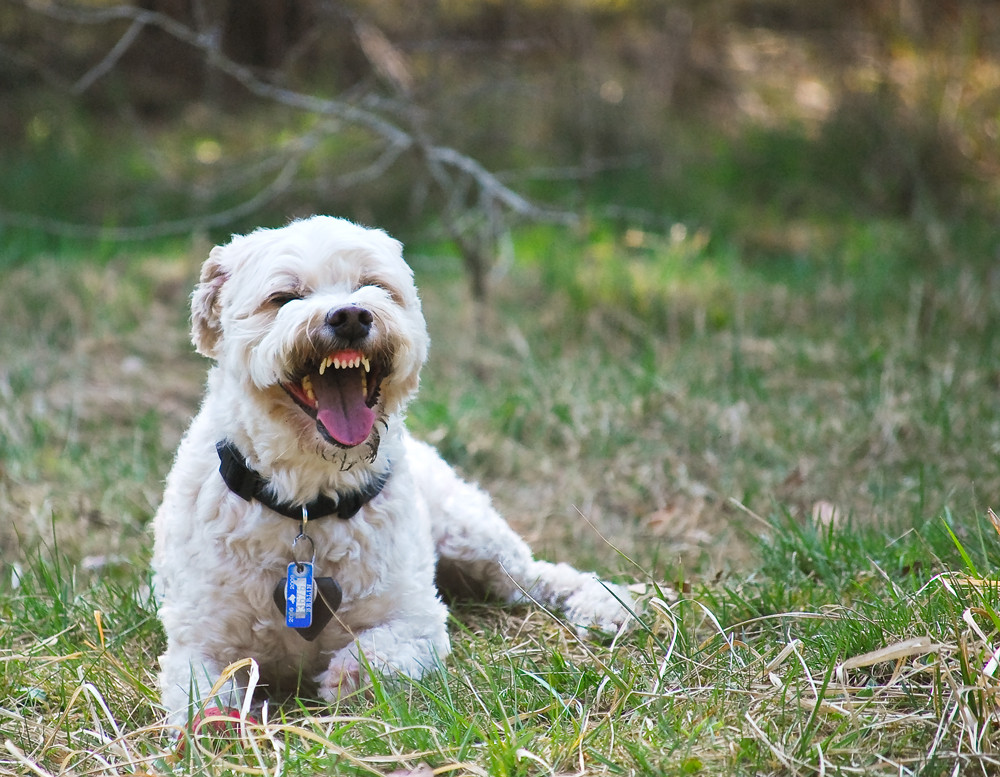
x=186 y=681
x=479 y=553
x=406 y=646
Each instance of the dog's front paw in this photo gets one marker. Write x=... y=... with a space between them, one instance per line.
x=342 y=677
x=393 y=651
x=601 y=607
x=584 y=600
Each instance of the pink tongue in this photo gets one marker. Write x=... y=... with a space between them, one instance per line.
x=342 y=409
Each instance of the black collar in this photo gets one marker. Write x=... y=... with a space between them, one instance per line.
x=248 y=484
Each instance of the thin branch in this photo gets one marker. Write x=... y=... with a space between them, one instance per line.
x=279 y=185
x=494 y=189
x=374 y=170
x=110 y=59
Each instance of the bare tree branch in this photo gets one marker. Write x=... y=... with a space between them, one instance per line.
x=208 y=43
x=469 y=189
x=110 y=59
x=495 y=189
x=281 y=183
x=376 y=169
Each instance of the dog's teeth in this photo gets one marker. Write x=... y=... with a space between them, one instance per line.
x=344 y=363
x=307 y=387
x=364 y=385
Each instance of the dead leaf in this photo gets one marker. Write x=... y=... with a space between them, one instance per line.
x=916 y=646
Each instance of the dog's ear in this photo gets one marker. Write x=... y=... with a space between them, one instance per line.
x=205 y=325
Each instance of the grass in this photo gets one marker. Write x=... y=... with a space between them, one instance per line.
x=794 y=461
x=762 y=386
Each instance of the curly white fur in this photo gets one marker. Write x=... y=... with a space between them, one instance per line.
x=261 y=312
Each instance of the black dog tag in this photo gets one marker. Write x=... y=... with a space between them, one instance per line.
x=326 y=599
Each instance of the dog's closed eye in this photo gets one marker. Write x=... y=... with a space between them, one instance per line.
x=387 y=288
x=281 y=298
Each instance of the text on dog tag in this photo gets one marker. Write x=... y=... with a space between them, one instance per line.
x=326 y=598
x=299 y=595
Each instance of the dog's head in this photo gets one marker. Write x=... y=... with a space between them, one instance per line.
x=321 y=318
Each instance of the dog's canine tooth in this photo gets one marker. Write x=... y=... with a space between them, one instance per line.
x=322 y=366
x=307 y=388
x=366 y=364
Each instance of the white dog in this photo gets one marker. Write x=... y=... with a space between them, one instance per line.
x=301 y=525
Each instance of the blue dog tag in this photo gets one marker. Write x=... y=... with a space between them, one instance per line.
x=299 y=595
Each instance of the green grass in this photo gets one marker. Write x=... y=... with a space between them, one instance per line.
x=795 y=460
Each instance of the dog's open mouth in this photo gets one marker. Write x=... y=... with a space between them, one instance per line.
x=340 y=392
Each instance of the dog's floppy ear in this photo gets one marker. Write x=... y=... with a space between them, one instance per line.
x=205 y=325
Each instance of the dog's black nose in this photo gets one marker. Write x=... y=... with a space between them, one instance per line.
x=350 y=323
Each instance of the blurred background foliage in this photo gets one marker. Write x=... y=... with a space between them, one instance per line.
x=764 y=125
